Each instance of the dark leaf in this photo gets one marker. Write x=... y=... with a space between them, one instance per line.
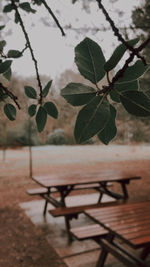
x=136 y=103
x=2 y=44
x=118 y=54
x=2 y=27
x=41 y=118
x=14 y=53
x=30 y=92
x=32 y=110
x=8 y=8
x=26 y=6
x=46 y=89
x=16 y=17
x=37 y=2
x=92 y=119
x=51 y=109
x=10 y=111
x=8 y=74
x=4 y=66
x=110 y=130
x=90 y=60
x=122 y=87
x=134 y=72
x=78 y=94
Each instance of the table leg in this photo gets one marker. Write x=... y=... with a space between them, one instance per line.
x=46 y=203
x=104 y=252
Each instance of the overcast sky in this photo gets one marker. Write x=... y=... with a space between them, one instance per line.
x=54 y=52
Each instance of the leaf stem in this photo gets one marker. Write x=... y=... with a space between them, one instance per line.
x=10 y=94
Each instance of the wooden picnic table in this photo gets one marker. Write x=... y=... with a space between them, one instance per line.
x=128 y=223
x=65 y=184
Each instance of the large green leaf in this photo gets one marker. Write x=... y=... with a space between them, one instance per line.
x=122 y=87
x=32 y=110
x=26 y=6
x=41 y=118
x=90 y=60
x=51 y=109
x=30 y=92
x=134 y=72
x=78 y=94
x=46 y=89
x=10 y=111
x=110 y=130
x=92 y=119
x=4 y=66
x=136 y=103
x=118 y=54
x=14 y=54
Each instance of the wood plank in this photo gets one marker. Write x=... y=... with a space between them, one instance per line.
x=36 y=191
x=57 y=180
x=89 y=231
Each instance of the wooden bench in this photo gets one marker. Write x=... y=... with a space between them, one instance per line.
x=88 y=232
x=72 y=212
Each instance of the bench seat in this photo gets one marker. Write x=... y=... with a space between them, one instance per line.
x=68 y=211
x=37 y=191
x=89 y=231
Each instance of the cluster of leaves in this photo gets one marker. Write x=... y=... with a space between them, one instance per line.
x=98 y=115
x=41 y=110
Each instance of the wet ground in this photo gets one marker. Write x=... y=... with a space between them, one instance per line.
x=14 y=180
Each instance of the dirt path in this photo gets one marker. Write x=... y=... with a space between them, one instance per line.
x=23 y=244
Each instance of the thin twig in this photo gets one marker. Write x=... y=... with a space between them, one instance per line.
x=53 y=16
x=10 y=94
x=30 y=48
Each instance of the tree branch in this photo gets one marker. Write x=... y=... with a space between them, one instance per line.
x=10 y=94
x=30 y=48
x=53 y=16
x=116 y=32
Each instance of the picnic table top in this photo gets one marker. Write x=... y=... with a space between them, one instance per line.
x=130 y=221
x=59 y=180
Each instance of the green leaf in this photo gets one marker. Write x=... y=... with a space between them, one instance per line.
x=90 y=60
x=46 y=89
x=37 y=2
x=32 y=110
x=8 y=74
x=51 y=109
x=122 y=87
x=134 y=72
x=78 y=94
x=110 y=130
x=8 y=8
x=2 y=44
x=10 y=111
x=91 y=119
x=4 y=66
x=41 y=118
x=136 y=103
x=2 y=27
x=16 y=18
x=30 y=92
x=118 y=54
x=26 y=6
x=14 y=53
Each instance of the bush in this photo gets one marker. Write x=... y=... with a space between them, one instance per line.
x=57 y=137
